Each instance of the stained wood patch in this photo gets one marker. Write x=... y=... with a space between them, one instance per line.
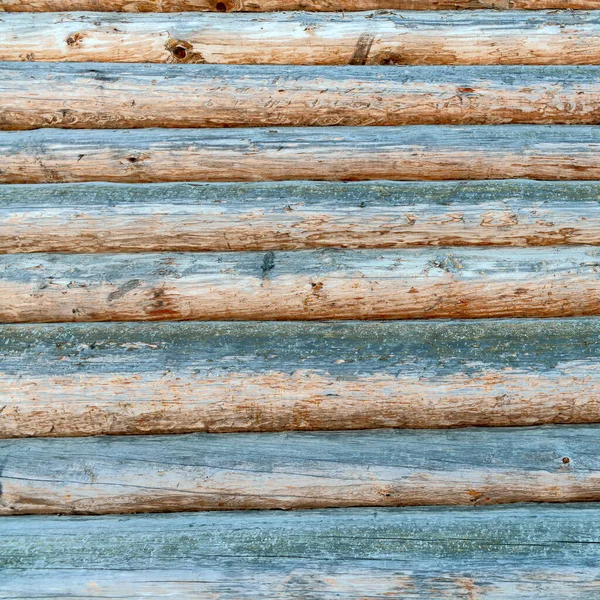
x=76 y=96
x=291 y=216
x=275 y=5
x=373 y=38
x=299 y=470
x=74 y=380
x=545 y=552
x=321 y=153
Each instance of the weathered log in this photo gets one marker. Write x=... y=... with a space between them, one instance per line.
x=373 y=38
x=203 y=471
x=104 y=96
x=321 y=153
x=301 y=285
x=139 y=378
x=101 y=217
x=502 y=552
x=274 y=5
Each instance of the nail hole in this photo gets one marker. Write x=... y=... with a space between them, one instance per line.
x=221 y=7
x=179 y=52
x=566 y=460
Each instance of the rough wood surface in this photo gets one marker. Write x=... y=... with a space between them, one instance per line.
x=99 y=217
x=203 y=471
x=550 y=152
x=74 y=380
x=301 y=285
x=504 y=552
x=273 y=5
x=78 y=96
x=373 y=38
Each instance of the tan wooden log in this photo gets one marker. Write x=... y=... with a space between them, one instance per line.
x=301 y=285
x=151 y=378
x=102 y=475
x=99 y=217
x=274 y=5
x=77 y=96
x=328 y=153
x=386 y=38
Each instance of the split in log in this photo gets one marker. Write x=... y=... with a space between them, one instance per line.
x=372 y=38
x=239 y=471
x=277 y=5
x=493 y=553
x=319 y=153
x=99 y=217
x=301 y=285
x=120 y=379
x=75 y=96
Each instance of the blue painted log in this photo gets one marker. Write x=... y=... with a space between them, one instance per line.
x=74 y=380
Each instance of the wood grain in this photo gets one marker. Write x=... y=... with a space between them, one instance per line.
x=100 y=217
x=546 y=552
x=302 y=285
x=275 y=5
x=119 y=379
x=319 y=153
x=202 y=471
x=34 y=95
x=372 y=38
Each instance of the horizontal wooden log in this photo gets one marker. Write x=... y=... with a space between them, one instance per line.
x=203 y=471
x=101 y=217
x=545 y=552
x=302 y=285
x=76 y=96
x=274 y=5
x=319 y=153
x=122 y=379
x=372 y=38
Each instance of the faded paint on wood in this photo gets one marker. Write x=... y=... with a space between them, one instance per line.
x=318 y=153
x=77 y=96
x=101 y=217
x=74 y=380
x=504 y=552
x=303 y=285
x=273 y=5
x=205 y=471
x=373 y=38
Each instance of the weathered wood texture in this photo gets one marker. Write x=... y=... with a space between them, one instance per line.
x=273 y=5
x=101 y=217
x=203 y=471
x=75 y=380
x=318 y=153
x=78 y=96
x=376 y=38
x=302 y=285
x=538 y=552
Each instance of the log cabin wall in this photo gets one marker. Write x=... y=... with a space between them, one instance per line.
x=343 y=259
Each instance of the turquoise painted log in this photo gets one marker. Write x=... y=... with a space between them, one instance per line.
x=371 y=38
x=413 y=152
x=203 y=471
x=91 y=96
x=303 y=285
x=101 y=217
x=138 y=378
x=496 y=553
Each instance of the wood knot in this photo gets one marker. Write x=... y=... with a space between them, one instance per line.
x=183 y=52
x=74 y=39
x=221 y=7
x=566 y=460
